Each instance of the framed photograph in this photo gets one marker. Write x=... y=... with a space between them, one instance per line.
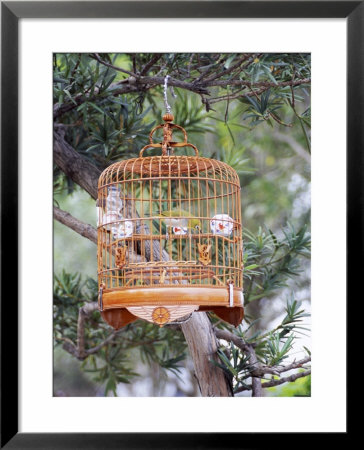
x=50 y=52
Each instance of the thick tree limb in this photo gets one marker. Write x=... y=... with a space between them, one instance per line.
x=203 y=347
x=79 y=169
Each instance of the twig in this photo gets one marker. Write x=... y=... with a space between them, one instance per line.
x=258 y=84
x=98 y=347
x=189 y=65
x=83 y=312
x=256 y=372
x=79 y=350
x=273 y=383
x=150 y=63
x=119 y=69
x=229 y=70
x=264 y=86
x=231 y=337
x=294 y=365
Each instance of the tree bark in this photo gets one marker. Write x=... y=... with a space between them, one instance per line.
x=202 y=345
x=79 y=169
x=198 y=330
x=82 y=228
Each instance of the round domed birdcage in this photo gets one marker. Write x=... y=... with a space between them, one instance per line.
x=169 y=236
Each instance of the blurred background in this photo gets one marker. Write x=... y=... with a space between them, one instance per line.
x=264 y=137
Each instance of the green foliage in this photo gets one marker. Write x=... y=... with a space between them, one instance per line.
x=112 y=363
x=270 y=260
x=272 y=348
x=191 y=114
x=262 y=108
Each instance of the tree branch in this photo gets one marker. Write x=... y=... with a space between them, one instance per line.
x=257 y=390
x=79 y=169
x=263 y=86
x=79 y=350
x=294 y=365
x=83 y=313
x=259 y=84
x=231 y=337
x=201 y=340
x=119 y=69
x=273 y=383
x=256 y=371
x=87 y=230
x=199 y=86
x=76 y=225
x=229 y=70
x=150 y=63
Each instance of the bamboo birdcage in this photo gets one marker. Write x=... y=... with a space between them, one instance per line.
x=169 y=236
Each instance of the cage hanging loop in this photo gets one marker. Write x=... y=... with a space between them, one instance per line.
x=165 y=94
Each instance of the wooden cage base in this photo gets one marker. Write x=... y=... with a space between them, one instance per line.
x=119 y=317
x=168 y=304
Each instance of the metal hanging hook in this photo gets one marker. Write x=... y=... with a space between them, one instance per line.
x=166 y=104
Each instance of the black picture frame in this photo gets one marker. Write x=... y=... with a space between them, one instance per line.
x=11 y=12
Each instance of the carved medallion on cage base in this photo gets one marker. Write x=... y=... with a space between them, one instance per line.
x=162 y=315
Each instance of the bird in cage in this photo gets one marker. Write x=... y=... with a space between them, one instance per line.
x=180 y=221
